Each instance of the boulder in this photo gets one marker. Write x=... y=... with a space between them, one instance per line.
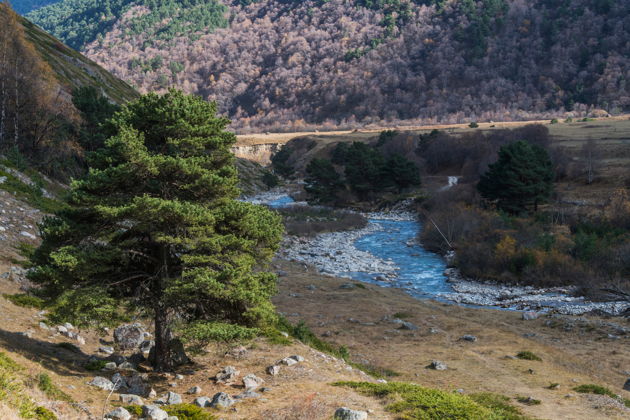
x=273 y=370
x=437 y=365
x=469 y=337
x=131 y=399
x=153 y=412
x=110 y=366
x=194 y=390
x=221 y=400
x=247 y=394
x=251 y=382
x=202 y=402
x=126 y=366
x=227 y=376
x=118 y=414
x=119 y=381
x=102 y=383
x=406 y=325
x=146 y=346
x=129 y=337
x=170 y=398
x=344 y=413
x=626 y=386
x=137 y=385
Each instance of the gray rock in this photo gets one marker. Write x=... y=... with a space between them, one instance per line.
x=202 y=402
x=437 y=365
x=297 y=358
x=179 y=377
x=406 y=325
x=221 y=400
x=469 y=337
x=43 y=326
x=251 y=382
x=247 y=394
x=137 y=385
x=119 y=381
x=129 y=337
x=530 y=315
x=227 y=375
x=117 y=358
x=273 y=370
x=110 y=366
x=146 y=346
x=131 y=399
x=153 y=412
x=626 y=386
x=126 y=366
x=194 y=390
x=344 y=413
x=288 y=361
x=170 y=398
x=61 y=329
x=102 y=383
x=347 y=286
x=118 y=414
x=68 y=326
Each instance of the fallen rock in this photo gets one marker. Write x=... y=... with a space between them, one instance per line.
x=345 y=413
x=237 y=352
x=273 y=370
x=129 y=337
x=227 y=376
x=221 y=400
x=251 y=382
x=137 y=385
x=247 y=394
x=153 y=412
x=102 y=383
x=118 y=414
x=170 y=398
x=194 y=390
x=437 y=365
x=406 y=325
x=131 y=399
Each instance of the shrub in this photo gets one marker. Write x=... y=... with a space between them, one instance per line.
x=554 y=121
x=24 y=300
x=473 y=125
x=95 y=365
x=270 y=179
x=528 y=400
x=199 y=334
x=528 y=355
x=568 y=120
x=42 y=413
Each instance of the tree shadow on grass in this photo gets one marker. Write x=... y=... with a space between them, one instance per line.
x=65 y=361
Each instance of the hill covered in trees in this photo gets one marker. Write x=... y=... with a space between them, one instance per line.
x=286 y=64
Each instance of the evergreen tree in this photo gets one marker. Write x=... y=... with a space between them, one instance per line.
x=520 y=178
x=155 y=228
x=323 y=183
x=401 y=172
x=95 y=110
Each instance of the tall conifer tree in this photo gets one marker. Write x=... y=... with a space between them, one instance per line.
x=155 y=228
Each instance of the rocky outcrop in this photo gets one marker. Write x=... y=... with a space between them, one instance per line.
x=260 y=153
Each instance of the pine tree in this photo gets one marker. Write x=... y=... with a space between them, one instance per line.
x=323 y=183
x=155 y=228
x=521 y=177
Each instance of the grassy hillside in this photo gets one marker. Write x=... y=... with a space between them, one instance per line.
x=73 y=69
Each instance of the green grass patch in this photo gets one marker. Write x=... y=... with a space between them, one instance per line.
x=528 y=355
x=402 y=315
x=31 y=194
x=42 y=413
x=24 y=300
x=52 y=391
x=410 y=401
x=553 y=385
x=95 y=365
x=181 y=411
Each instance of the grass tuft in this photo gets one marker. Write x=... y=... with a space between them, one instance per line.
x=410 y=401
x=25 y=301
x=601 y=390
x=528 y=400
x=52 y=391
x=181 y=411
x=528 y=355
x=95 y=365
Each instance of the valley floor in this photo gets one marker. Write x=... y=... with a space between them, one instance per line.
x=575 y=350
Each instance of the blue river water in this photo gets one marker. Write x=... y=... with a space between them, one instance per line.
x=420 y=272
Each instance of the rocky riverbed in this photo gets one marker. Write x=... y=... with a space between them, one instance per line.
x=385 y=253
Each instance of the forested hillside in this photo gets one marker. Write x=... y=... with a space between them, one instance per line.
x=40 y=82
x=288 y=63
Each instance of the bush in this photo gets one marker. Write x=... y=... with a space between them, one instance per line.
x=24 y=300
x=528 y=355
x=528 y=400
x=270 y=179
x=42 y=413
x=554 y=121
x=95 y=365
x=199 y=334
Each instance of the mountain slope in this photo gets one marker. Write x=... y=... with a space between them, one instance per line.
x=282 y=62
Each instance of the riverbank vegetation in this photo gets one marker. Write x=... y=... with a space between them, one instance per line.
x=310 y=221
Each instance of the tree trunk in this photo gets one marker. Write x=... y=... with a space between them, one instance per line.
x=17 y=107
x=162 y=360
